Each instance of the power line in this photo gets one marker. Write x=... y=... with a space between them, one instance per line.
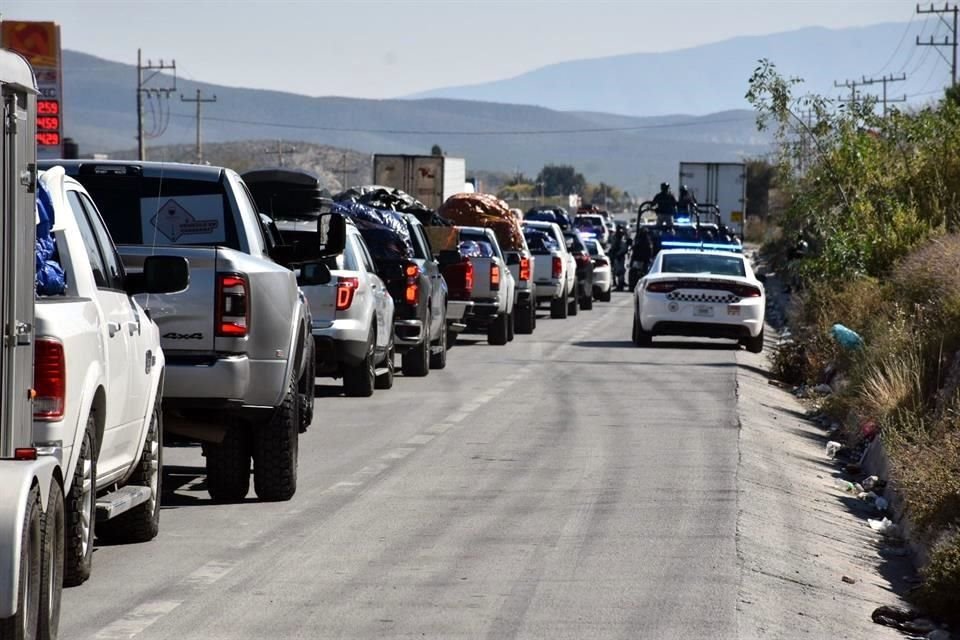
x=506 y=132
x=948 y=41
x=852 y=85
x=280 y=150
x=903 y=38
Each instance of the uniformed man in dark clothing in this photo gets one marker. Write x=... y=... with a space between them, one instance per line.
x=665 y=204
x=687 y=203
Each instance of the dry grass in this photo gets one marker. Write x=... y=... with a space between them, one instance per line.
x=895 y=381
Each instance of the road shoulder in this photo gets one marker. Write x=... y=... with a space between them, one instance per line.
x=810 y=566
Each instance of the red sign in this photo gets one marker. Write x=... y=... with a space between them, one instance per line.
x=48 y=123
x=39 y=43
x=48 y=138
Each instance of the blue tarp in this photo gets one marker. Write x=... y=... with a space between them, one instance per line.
x=385 y=232
x=50 y=280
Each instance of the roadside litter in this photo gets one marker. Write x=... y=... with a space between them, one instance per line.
x=848 y=338
x=883 y=527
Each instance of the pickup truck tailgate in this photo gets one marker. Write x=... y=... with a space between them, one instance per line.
x=482 y=272
x=543 y=267
x=185 y=319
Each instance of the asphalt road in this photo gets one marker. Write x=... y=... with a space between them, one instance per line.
x=567 y=485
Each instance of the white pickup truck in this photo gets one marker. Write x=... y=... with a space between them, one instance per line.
x=98 y=377
x=555 y=269
x=494 y=290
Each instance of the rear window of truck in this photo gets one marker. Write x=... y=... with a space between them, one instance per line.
x=155 y=211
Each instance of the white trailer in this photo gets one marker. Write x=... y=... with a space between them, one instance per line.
x=31 y=493
x=721 y=183
x=429 y=179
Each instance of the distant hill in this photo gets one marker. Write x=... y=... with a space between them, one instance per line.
x=712 y=77
x=633 y=153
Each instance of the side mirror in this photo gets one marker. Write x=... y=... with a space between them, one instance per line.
x=315 y=273
x=331 y=234
x=513 y=258
x=448 y=257
x=161 y=274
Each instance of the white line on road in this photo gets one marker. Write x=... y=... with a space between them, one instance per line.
x=138 y=620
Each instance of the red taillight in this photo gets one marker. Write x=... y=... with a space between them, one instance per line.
x=557 y=266
x=524 y=269
x=346 y=288
x=411 y=294
x=494 y=277
x=583 y=258
x=745 y=291
x=459 y=279
x=232 y=306
x=49 y=380
x=661 y=287
x=601 y=262
x=25 y=453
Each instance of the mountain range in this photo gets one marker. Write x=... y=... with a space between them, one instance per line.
x=629 y=152
x=713 y=77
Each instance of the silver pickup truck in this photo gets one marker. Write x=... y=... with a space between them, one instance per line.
x=238 y=347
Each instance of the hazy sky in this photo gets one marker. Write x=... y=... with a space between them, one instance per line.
x=378 y=49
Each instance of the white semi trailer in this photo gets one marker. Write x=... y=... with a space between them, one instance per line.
x=429 y=179
x=721 y=183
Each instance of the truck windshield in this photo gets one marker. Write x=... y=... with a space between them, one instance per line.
x=154 y=211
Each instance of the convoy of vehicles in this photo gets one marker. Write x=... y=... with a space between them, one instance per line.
x=222 y=302
x=723 y=184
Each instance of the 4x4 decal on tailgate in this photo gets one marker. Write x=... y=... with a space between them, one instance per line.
x=182 y=336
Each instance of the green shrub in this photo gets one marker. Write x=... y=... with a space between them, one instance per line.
x=940 y=591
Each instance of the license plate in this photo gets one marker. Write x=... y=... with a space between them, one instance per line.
x=733 y=310
x=703 y=311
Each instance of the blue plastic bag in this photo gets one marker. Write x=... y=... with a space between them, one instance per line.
x=848 y=338
x=50 y=279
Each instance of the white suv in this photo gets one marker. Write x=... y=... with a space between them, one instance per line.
x=352 y=315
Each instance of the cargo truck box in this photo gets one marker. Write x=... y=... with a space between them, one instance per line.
x=429 y=179
x=721 y=183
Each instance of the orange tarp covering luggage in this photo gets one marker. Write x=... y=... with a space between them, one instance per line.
x=483 y=210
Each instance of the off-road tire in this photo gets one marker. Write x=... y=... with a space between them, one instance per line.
x=385 y=380
x=142 y=523
x=754 y=345
x=276 y=449
x=51 y=570
x=524 y=321
x=497 y=333
x=78 y=536
x=228 y=466
x=416 y=360
x=23 y=624
x=641 y=338
x=306 y=391
x=558 y=308
x=438 y=356
x=359 y=380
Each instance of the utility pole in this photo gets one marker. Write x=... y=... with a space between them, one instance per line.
x=885 y=80
x=948 y=41
x=142 y=90
x=852 y=85
x=344 y=170
x=280 y=150
x=199 y=101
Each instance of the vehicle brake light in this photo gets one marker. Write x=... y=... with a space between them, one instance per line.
x=557 y=266
x=411 y=294
x=661 y=287
x=601 y=262
x=494 y=277
x=25 y=453
x=49 y=379
x=232 y=308
x=346 y=288
x=524 y=269
x=745 y=291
